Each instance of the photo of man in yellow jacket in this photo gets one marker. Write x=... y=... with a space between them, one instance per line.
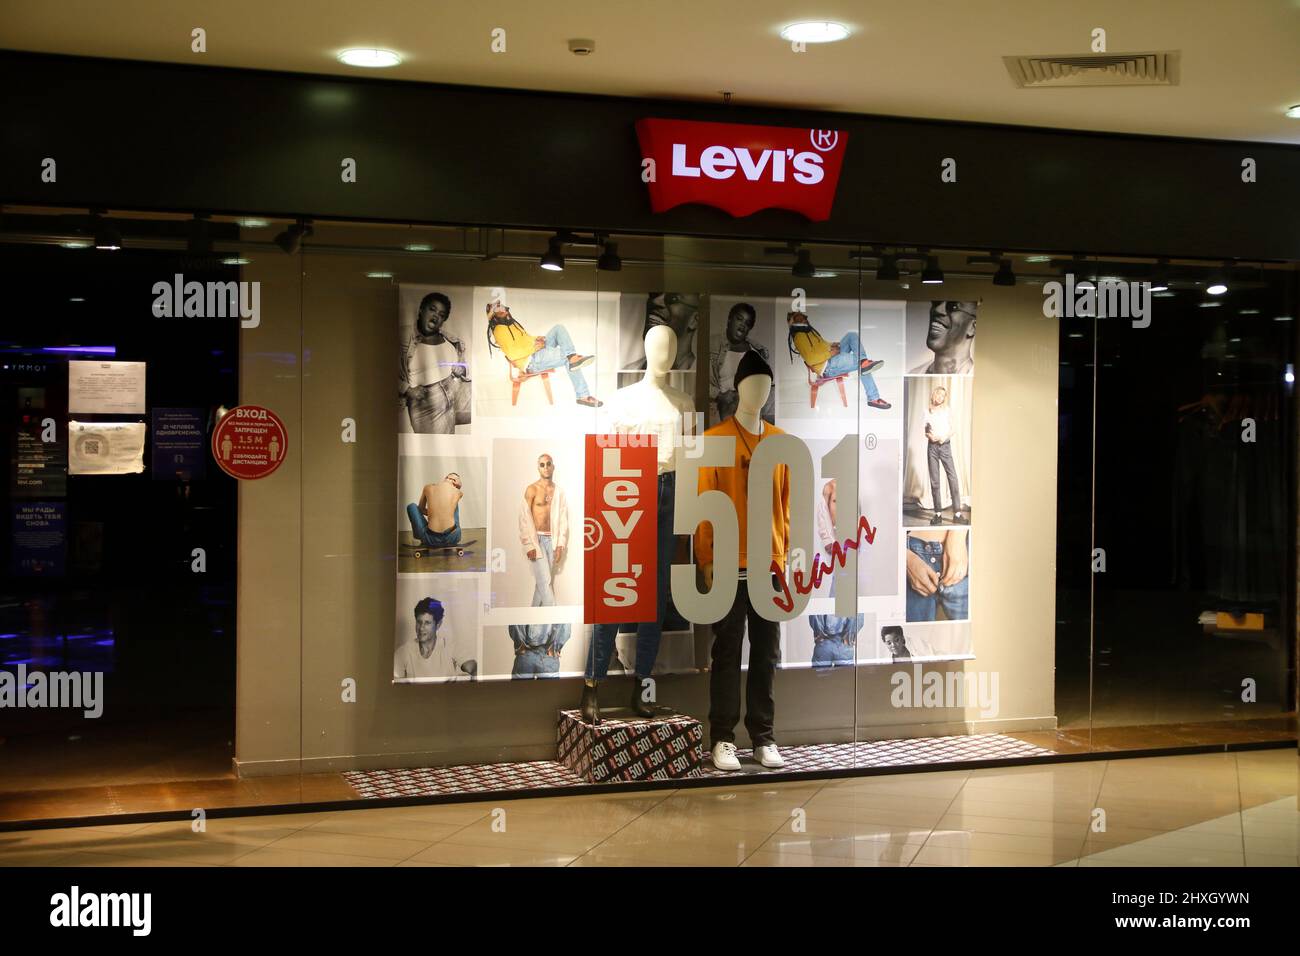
x=532 y=354
x=832 y=359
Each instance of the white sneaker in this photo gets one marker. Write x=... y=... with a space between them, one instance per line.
x=724 y=756
x=768 y=755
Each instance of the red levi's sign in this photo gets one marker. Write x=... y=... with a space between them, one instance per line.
x=742 y=169
x=620 y=531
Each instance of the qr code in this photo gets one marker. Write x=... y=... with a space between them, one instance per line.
x=91 y=446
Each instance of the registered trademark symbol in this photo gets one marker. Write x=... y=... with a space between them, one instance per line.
x=870 y=442
x=591 y=533
x=824 y=139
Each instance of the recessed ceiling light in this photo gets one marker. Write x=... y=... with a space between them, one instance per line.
x=825 y=275
x=76 y=298
x=379 y=275
x=75 y=244
x=1294 y=111
x=370 y=58
x=254 y=223
x=1038 y=258
x=418 y=247
x=236 y=261
x=1281 y=318
x=814 y=31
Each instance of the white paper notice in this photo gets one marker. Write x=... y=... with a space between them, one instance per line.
x=106 y=388
x=105 y=448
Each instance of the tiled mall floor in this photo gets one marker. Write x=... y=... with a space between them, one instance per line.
x=1234 y=809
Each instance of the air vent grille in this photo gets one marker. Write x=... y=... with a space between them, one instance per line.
x=1094 y=69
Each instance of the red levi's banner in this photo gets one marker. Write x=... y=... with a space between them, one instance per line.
x=620 y=531
x=742 y=169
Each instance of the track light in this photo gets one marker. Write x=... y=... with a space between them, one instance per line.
x=609 y=260
x=107 y=235
x=803 y=267
x=887 y=271
x=291 y=239
x=553 y=258
x=1004 y=275
x=931 y=274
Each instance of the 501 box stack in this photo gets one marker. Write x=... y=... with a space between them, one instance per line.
x=661 y=748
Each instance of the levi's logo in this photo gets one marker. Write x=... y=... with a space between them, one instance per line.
x=741 y=169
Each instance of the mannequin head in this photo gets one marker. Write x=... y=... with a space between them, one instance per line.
x=752 y=392
x=660 y=349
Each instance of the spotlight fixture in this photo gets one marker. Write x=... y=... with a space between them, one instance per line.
x=609 y=260
x=553 y=259
x=369 y=58
x=107 y=235
x=803 y=267
x=1004 y=275
x=931 y=274
x=814 y=31
x=1294 y=111
x=887 y=271
x=291 y=239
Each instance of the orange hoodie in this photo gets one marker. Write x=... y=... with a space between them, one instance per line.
x=734 y=483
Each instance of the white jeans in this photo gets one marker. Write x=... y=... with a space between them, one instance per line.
x=543 y=569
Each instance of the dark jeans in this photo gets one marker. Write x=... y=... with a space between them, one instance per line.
x=724 y=680
x=434 y=539
x=941 y=453
x=648 y=633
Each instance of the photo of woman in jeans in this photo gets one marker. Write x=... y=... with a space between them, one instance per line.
x=938 y=432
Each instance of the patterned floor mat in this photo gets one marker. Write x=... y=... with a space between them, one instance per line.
x=810 y=758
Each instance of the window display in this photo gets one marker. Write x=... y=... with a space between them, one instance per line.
x=865 y=549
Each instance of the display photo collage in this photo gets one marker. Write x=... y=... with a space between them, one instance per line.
x=497 y=388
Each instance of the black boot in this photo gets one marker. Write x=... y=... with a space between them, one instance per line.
x=639 y=706
x=588 y=708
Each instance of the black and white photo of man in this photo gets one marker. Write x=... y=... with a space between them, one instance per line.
x=725 y=358
x=680 y=311
x=949 y=335
x=431 y=656
x=433 y=373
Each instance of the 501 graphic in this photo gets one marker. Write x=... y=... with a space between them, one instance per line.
x=771 y=595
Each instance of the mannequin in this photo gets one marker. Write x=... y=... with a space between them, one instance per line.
x=649 y=407
x=753 y=385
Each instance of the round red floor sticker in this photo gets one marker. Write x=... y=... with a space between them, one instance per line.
x=249 y=442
